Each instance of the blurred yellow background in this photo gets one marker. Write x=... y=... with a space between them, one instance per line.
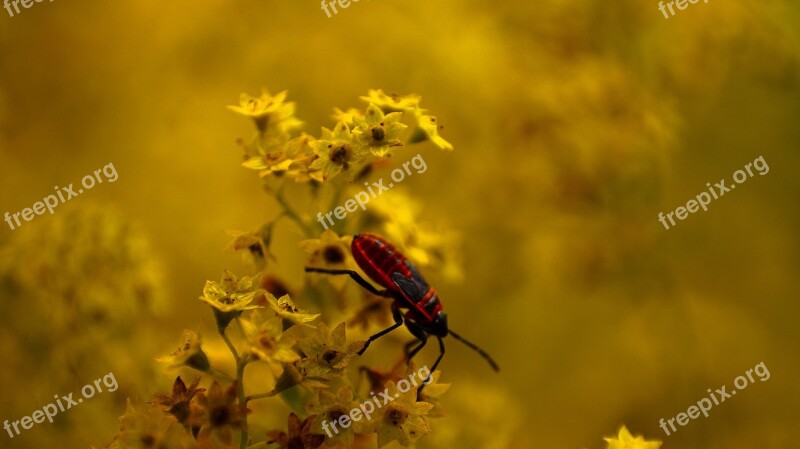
x=574 y=124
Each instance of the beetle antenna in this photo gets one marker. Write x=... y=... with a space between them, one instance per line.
x=476 y=349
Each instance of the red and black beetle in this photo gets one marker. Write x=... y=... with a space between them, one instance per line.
x=389 y=268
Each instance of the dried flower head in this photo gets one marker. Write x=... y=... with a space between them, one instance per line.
x=177 y=404
x=299 y=436
x=218 y=414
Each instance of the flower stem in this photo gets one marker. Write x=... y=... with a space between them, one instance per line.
x=257 y=445
x=268 y=394
x=217 y=373
x=230 y=346
x=289 y=211
x=240 y=365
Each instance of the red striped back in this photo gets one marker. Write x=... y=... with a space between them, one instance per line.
x=379 y=259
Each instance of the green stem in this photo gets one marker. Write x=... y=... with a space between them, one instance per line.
x=241 y=328
x=291 y=213
x=242 y=399
x=261 y=395
x=217 y=373
x=230 y=346
x=241 y=362
x=257 y=445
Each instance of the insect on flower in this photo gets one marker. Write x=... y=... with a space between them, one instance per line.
x=389 y=268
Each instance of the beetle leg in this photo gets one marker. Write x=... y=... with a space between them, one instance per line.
x=398 y=321
x=413 y=352
x=418 y=332
x=356 y=277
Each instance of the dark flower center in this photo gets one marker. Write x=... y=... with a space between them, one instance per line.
x=180 y=411
x=148 y=440
x=219 y=416
x=340 y=155
x=335 y=414
x=396 y=417
x=330 y=355
x=378 y=133
x=333 y=254
x=256 y=250
x=267 y=342
x=296 y=443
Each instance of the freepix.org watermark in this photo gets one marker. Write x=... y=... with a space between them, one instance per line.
x=703 y=199
x=65 y=403
x=719 y=396
x=50 y=202
x=7 y=4
x=326 y=4
x=366 y=408
x=362 y=198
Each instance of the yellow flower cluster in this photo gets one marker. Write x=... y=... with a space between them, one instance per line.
x=358 y=138
x=301 y=360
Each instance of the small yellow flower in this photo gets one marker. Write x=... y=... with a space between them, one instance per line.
x=286 y=310
x=393 y=102
x=229 y=297
x=626 y=441
x=218 y=414
x=428 y=129
x=267 y=342
x=331 y=252
x=327 y=354
x=230 y=294
x=190 y=353
x=379 y=132
x=268 y=111
x=426 y=247
x=349 y=116
x=151 y=428
x=284 y=157
x=375 y=310
x=330 y=407
x=336 y=151
x=432 y=392
x=254 y=244
x=403 y=419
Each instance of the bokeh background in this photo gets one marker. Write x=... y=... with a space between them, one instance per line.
x=574 y=124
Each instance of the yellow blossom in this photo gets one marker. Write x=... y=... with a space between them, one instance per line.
x=267 y=342
x=331 y=252
x=626 y=441
x=286 y=310
x=428 y=129
x=152 y=428
x=432 y=393
x=330 y=407
x=336 y=152
x=190 y=353
x=268 y=111
x=393 y=102
x=403 y=419
x=327 y=354
x=231 y=294
x=379 y=132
